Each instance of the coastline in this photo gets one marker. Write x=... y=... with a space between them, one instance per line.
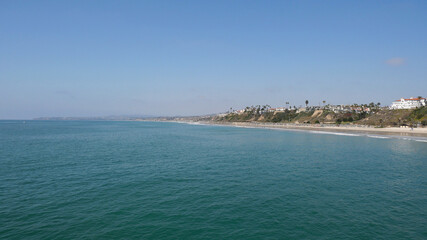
x=366 y=130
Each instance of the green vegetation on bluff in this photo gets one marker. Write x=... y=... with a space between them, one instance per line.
x=419 y=115
x=377 y=116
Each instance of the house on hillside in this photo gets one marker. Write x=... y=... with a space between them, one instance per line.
x=279 y=109
x=408 y=103
x=239 y=111
x=301 y=109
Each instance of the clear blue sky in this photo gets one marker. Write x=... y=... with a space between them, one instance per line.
x=95 y=58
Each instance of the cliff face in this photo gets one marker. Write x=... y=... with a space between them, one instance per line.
x=378 y=118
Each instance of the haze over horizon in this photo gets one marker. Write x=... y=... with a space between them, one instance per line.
x=99 y=58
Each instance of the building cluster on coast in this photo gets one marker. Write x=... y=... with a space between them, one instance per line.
x=409 y=103
x=403 y=103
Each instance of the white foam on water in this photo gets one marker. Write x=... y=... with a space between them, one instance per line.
x=375 y=136
x=194 y=123
x=320 y=132
x=337 y=133
x=243 y=126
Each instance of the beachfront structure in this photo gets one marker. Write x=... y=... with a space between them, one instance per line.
x=408 y=103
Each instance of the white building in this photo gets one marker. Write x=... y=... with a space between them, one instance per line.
x=279 y=109
x=408 y=103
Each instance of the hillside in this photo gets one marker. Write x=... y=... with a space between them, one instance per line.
x=379 y=117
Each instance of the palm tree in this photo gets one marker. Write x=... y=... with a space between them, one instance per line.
x=306 y=103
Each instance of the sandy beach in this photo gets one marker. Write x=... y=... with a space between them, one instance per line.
x=393 y=131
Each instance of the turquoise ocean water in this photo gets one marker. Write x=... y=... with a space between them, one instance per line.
x=147 y=180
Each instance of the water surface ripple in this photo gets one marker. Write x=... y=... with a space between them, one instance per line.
x=146 y=180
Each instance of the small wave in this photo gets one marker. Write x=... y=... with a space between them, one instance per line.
x=320 y=132
x=417 y=139
x=194 y=123
x=244 y=126
x=374 y=136
x=336 y=133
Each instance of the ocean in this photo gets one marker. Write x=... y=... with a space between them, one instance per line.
x=154 y=180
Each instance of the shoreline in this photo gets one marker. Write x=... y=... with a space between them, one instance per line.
x=366 y=130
